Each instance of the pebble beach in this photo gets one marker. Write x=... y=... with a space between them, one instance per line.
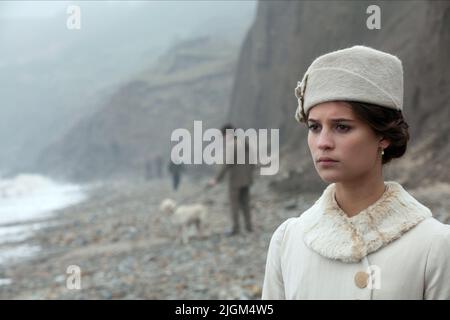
x=126 y=249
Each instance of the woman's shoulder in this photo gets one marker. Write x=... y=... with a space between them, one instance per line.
x=438 y=229
x=438 y=255
x=294 y=224
x=432 y=232
x=433 y=227
x=281 y=229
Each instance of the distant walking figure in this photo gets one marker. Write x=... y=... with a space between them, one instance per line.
x=239 y=183
x=148 y=170
x=176 y=169
x=159 y=166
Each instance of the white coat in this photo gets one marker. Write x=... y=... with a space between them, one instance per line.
x=394 y=249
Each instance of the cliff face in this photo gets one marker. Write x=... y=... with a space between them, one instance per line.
x=195 y=80
x=286 y=37
x=192 y=81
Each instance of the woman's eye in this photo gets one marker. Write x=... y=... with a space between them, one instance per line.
x=339 y=127
x=343 y=128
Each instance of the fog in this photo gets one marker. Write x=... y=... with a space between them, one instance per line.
x=50 y=76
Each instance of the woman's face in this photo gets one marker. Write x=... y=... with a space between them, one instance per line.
x=351 y=147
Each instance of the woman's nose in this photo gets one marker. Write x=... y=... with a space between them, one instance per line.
x=325 y=140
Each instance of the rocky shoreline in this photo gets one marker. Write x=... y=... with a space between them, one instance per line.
x=125 y=248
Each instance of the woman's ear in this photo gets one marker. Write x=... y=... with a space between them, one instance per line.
x=384 y=143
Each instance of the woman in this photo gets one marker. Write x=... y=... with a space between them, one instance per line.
x=363 y=238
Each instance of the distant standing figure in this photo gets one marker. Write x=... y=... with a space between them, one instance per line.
x=159 y=165
x=240 y=181
x=176 y=171
x=148 y=170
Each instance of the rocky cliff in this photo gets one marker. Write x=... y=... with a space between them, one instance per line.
x=192 y=81
x=195 y=80
x=286 y=37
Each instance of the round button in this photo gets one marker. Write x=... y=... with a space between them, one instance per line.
x=361 y=279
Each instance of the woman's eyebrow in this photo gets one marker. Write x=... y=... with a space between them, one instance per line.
x=332 y=120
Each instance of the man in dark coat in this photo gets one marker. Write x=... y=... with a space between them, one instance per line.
x=239 y=183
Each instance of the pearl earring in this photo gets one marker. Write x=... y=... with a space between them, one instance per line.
x=382 y=152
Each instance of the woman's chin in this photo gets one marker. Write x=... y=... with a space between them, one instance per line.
x=329 y=177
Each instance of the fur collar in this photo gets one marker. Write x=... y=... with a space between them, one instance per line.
x=329 y=232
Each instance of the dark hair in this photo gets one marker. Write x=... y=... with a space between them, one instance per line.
x=225 y=127
x=386 y=122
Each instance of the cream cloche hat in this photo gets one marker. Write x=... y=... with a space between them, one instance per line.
x=358 y=73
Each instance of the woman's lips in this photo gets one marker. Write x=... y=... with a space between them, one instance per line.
x=327 y=162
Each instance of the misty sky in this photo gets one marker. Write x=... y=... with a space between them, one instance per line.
x=51 y=76
x=46 y=9
x=30 y=9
